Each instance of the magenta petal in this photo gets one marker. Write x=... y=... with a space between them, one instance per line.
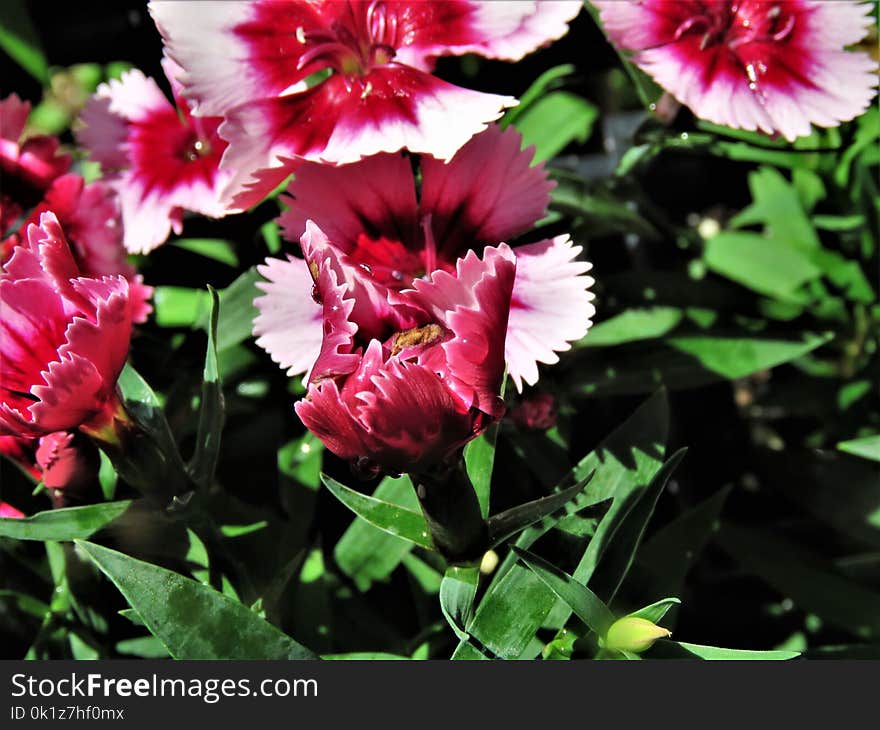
x=289 y=323
x=487 y=193
x=346 y=201
x=551 y=306
x=8 y=511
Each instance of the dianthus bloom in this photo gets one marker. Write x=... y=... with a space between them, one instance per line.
x=88 y=214
x=406 y=396
x=336 y=81
x=388 y=239
x=27 y=167
x=63 y=338
x=159 y=158
x=752 y=64
x=62 y=460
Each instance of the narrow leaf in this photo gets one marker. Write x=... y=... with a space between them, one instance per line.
x=69 y=523
x=457 y=592
x=390 y=518
x=656 y=611
x=192 y=620
x=211 y=409
x=587 y=606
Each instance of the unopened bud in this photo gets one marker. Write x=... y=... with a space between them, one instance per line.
x=634 y=634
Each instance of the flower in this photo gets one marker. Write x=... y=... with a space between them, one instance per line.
x=535 y=412
x=63 y=338
x=752 y=64
x=7 y=510
x=159 y=158
x=388 y=239
x=67 y=461
x=409 y=400
x=28 y=166
x=338 y=81
x=89 y=216
x=21 y=452
x=634 y=634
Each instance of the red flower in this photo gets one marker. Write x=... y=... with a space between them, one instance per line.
x=535 y=412
x=63 y=338
x=27 y=167
x=7 y=510
x=337 y=81
x=411 y=397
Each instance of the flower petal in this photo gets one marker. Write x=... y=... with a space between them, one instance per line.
x=288 y=326
x=486 y=194
x=551 y=306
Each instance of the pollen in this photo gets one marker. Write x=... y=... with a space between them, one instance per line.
x=415 y=337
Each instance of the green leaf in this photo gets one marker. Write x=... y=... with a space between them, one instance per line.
x=457 y=593
x=21 y=42
x=211 y=409
x=764 y=265
x=547 y=81
x=192 y=620
x=364 y=552
x=143 y=405
x=508 y=523
x=237 y=310
x=657 y=610
x=25 y=603
x=479 y=458
x=587 y=606
x=358 y=656
x=621 y=551
x=867 y=447
x=554 y=121
x=178 y=306
x=518 y=603
x=146 y=647
x=737 y=357
x=107 y=477
x=674 y=548
x=68 y=523
x=211 y=248
x=806 y=579
x=390 y=518
x=631 y=326
x=681 y=650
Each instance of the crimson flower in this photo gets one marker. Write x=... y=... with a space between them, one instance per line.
x=88 y=214
x=159 y=158
x=407 y=401
x=63 y=338
x=387 y=239
x=752 y=64
x=28 y=166
x=336 y=81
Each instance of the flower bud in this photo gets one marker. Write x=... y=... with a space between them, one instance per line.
x=634 y=634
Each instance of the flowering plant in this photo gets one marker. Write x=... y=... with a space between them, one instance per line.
x=343 y=327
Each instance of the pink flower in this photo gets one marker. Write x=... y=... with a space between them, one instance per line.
x=388 y=240
x=410 y=400
x=63 y=338
x=67 y=462
x=752 y=64
x=7 y=510
x=89 y=216
x=27 y=167
x=159 y=158
x=338 y=81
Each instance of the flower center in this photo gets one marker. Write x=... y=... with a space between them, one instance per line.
x=355 y=43
x=737 y=24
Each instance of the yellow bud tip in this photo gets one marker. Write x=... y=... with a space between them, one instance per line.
x=634 y=634
x=489 y=562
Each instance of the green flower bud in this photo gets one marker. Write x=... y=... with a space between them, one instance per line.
x=634 y=634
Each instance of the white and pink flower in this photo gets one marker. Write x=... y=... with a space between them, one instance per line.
x=338 y=81
x=777 y=66
x=388 y=241
x=160 y=159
